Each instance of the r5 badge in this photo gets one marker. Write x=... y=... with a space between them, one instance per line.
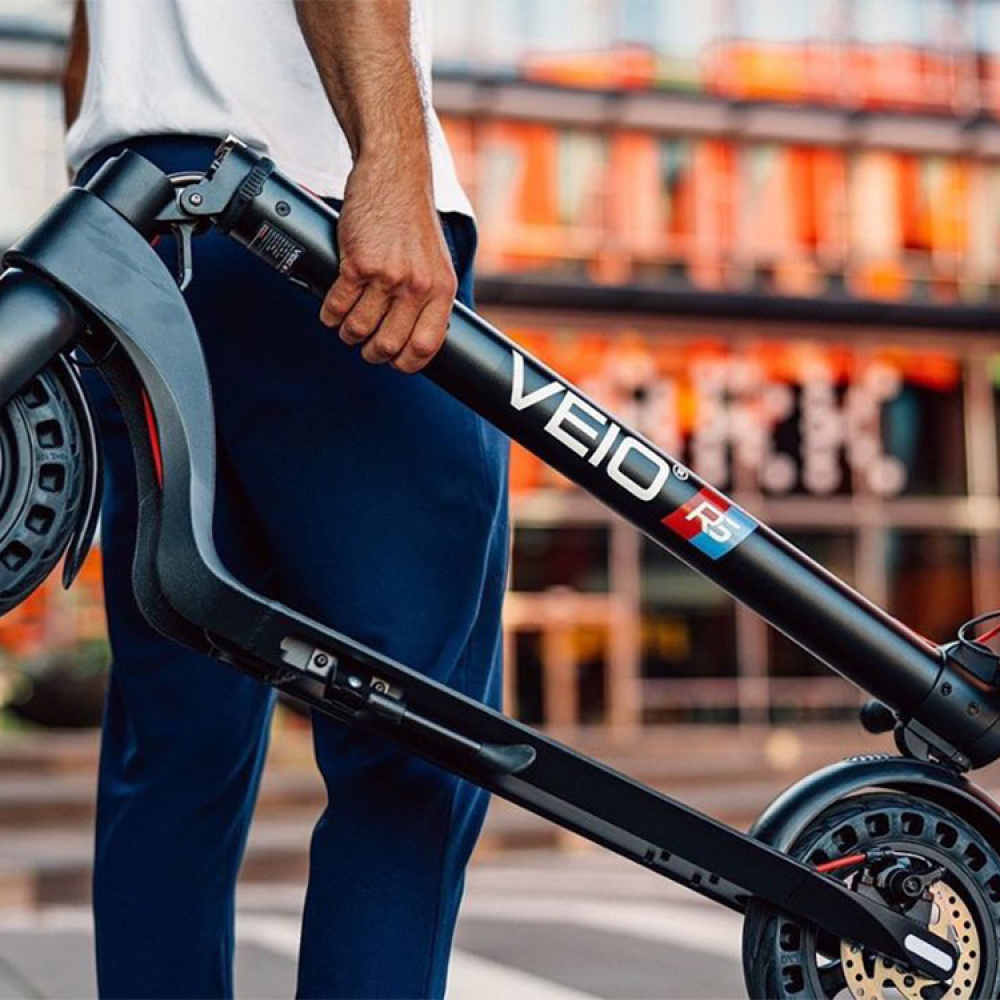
x=711 y=523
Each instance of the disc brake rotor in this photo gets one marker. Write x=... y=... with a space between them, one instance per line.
x=875 y=978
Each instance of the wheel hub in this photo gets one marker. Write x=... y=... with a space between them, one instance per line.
x=876 y=978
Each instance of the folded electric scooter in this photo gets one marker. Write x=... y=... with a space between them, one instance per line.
x=877 y=877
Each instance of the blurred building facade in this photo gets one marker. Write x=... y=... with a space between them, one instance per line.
x=765 y=231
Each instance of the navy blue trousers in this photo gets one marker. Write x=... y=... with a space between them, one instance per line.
x=376 y=504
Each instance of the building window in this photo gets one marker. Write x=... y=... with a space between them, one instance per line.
x=689 y=649
x=930 y=580
x=569 y=555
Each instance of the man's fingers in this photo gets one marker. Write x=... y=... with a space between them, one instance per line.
x=393 y=332
x=427 y=337
x=363 y=319
x=340 y=299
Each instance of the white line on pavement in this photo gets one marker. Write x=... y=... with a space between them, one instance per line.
x=277 y=934
x=52 y=918
x=471 y=977
x=714 y=932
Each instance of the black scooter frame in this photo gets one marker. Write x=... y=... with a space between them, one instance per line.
x=91 y=257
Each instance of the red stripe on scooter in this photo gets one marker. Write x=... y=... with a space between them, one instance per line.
x=849 y=862
x=154 y=439
x=986 y=636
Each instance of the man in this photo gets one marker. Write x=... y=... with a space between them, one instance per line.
x=348 y=488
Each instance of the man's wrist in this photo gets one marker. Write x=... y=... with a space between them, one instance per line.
x=401 y=170
x=392 y=143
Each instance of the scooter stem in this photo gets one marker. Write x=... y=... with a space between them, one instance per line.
x=955 y=711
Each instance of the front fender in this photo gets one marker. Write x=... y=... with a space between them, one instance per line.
x=102 y=263
x=784 y=820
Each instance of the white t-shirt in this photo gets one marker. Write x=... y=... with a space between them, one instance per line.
x=215 y=67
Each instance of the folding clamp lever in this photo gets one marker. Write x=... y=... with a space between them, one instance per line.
x=206 y=198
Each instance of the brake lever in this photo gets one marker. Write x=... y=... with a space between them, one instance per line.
x=183 y=233
x=176 y=220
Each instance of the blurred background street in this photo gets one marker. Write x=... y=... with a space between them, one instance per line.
x=534 y=927
x=547 y=916
x=767 y=233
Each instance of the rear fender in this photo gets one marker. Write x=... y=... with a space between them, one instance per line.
x=787 y=816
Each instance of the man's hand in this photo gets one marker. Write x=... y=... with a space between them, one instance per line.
x=396 y=283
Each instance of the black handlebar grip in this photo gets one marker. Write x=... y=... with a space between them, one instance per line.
x=284 y=225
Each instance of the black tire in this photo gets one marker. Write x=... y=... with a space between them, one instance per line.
x=41 y=485
x=779 y=953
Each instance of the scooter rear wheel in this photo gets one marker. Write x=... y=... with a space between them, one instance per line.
x=784 y=959
x=41 y=484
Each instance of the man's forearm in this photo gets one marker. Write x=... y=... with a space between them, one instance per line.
x=396 y=284
x=75 y=71
x=363 y=52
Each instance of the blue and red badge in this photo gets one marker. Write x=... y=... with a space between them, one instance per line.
x=711 y=523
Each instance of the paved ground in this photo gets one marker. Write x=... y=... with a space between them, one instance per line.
x=546 y=926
